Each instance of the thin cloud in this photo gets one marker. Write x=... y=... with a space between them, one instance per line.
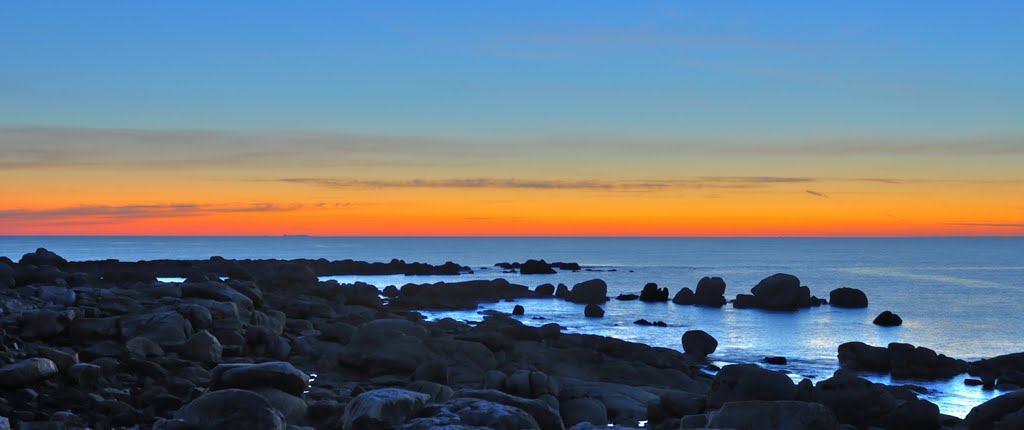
x=977 y=224
x=729 y=182
x=816 y=194
x=130 y=212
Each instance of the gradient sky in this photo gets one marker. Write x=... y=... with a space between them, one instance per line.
x=512 y=118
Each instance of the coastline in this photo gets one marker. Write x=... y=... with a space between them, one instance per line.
x=276 y=311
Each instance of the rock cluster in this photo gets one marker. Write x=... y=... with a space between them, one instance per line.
x=779 y=292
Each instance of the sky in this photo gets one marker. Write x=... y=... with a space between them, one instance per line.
x=512 y=118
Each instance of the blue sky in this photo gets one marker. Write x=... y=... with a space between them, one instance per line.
x=771 y=71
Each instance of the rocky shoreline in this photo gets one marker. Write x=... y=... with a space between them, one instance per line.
x=263 y=344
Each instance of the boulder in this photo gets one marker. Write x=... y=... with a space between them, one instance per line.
x=861 y=356
x=855 y=401
x=773 y=415
x=231 y=410
x=202 y=347
x=42 y=257
x=562 y=292
x=63 y=359
x=685 y=296
x=699 y=343
x=388 y=346
x=289 y=276
x=888 y=319
x=1003 y=412
x=913 y=414
x=7 y=279
x=594 y=291
x=390 y=291
x=45 y=324
x=584 y=410
x=710 y=292
x=739 y=382
x=142 y=348
x=164 y=327
x=518 y=310
x=275 y=374
x=916 y=362
x=489 y=415
x=545 y=290
x=291 y=407
x=848 y=298
x=651 y=293
x=536 y=267
x=216 y=291
x=627 y=297
x=546 y=415
x=778 y=292
x=382 y=408
x=593 y=311
x=776 y=360
x=26 y=372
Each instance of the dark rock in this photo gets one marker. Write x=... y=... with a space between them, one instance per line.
x=63 y=359
x=593 y=311
x=26 y=372
x=438 y=393
x=913 y=414
x=777 y=292
x=775 y=360
x=739 y=382
x=699 y=343
x=546 y=416
x=848 y=298
x=855 y=401
x=490 y=415
x=972 y=382
x=627 y=297
x=918 y=362
x=888 y=319
x=562 y=292
x=584 y=410
x=127 y=277
x=289 y=276
x=432 y=371
x=685 y=296
x=142 y=348
x=651 y=293
x=518 y=310
x=594 y=291
x=276 y=374
x=7 y=276
x=1003 y=412
x=45 y=324
x=42 y=257
x=536 y=267
x=710 y=292
x=165 y=328
x=772 y=415
x=384 y=408
x=231 y=410
x=203 y=347
x=545 y=290
x=390 y=291
x=861 y=356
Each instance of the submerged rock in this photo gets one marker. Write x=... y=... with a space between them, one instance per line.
x=848 y=298
x=536 y=267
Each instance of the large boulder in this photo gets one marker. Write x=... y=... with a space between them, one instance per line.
x=848 y=298
x=584 y=410
x=42 y=257
x=738 y=382
x=546 y=416
x=7 y=279
x=624 y=403
x=651 y=293
x=536 y=267
x=26 y=372
x=710 y=292
x=699 y=343
x=685 y=296
x=289 y=276
x=45 y=324
x=593 y=291
x=917 y=362
x=855 y=401
x=384 y=408
x=861 y=356
x=1003 y=412
x=888 y=319
x=163 y=327
x=777 y=292
x=388 y=346
x=593 y=311
x=203 y=347
x=216 y=291
x=231 y=410
x=275 y=374
x=773 y=415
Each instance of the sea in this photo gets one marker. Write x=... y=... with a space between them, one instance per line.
x=959 y=296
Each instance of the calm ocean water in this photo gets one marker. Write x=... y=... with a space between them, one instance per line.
x=959 y=296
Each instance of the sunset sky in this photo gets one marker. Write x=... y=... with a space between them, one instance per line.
x=575 y=118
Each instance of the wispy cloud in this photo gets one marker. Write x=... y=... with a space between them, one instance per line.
x=725 y=182
x=99 y=214
x=816 y=193
x=981 y=224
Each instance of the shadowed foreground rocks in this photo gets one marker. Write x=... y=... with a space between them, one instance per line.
x=265 y=345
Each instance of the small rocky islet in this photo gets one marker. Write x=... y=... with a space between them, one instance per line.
x=263 y=344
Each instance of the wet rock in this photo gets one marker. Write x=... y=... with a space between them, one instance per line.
x=699 y=343
x=7 y=279
x=86 y=375
x=593 y=311
x=888 y=319
x=562 y=292
x=627 y=297
x=685 y=296
x=390 y=291
x=290 y=275
x=216 y=291
x=62 y=296
x=26 y=372
x=710 y=292
x=546 y=416
x=45 y=324
x=861 y=356
x=777 y=292
x=913 y=414
x=773 y=415
x=739 y=382
x=231 y=409
x=62 y=359
x=1003 y=412
x=594 y=291
x=291 y=407
x=536 y=267
x=651 y=293
x=916 y=362
x=275 y=374
x=438 y=393
x=388 y=346
x=848 y=298
x=775 y=360
x=518 y=310
x=382 y=408
x=855 y=401
x=545 y=290
x=482 y=413
x=142 y=348
x=433 y=371
x=203 y=347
